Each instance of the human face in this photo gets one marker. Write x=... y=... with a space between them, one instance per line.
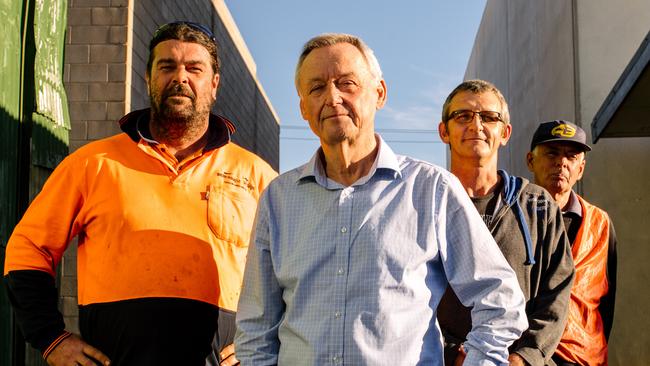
x=338 y=94
x=556 y=166
x=181 y=82
x=475 y=140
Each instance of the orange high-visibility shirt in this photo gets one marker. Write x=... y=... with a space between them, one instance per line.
x=583 y=341
x=148 y=226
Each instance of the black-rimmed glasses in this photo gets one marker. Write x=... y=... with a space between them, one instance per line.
x=467 y=116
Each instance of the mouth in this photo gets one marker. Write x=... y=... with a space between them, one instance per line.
x=178 y=96
x=474 y=139
x=177 y=92
x=334 y=116
x=558 y=177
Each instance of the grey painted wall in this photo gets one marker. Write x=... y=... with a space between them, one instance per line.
x=560 y=59
x=239 y=98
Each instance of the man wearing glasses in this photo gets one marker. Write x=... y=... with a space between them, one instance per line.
x=523 y=218
x=163 y=214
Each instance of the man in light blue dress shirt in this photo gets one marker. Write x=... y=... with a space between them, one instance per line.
x=352 y=251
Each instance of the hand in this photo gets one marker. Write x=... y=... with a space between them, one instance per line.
x=74 y=351
x=516 y=360
x=460 y=358
x=227 y=356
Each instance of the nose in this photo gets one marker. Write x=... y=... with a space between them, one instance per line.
x=477 y=122
x=561 y=160
x=332 y=95
x=180 y=76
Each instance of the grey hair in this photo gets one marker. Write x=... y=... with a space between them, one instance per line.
x=476 y=86
x=330 y=39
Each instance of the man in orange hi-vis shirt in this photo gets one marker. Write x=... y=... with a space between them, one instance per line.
x=163 y=213
x=557 y=160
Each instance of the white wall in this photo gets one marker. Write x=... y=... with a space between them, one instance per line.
x=559 y=60
x=618 y=170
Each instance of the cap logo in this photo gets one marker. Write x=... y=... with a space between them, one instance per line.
x=563 y=130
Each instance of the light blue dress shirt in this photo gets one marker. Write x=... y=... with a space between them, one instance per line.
x=353 y=275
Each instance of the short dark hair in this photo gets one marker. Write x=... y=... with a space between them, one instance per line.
x=476 y=86
x=185 y=32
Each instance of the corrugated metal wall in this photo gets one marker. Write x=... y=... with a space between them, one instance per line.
x=34 y=127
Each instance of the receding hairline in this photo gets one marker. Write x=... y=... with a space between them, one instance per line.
x=332 y=39
x=477 y=87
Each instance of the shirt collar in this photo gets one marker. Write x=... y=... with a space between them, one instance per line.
x=219 y=130
x=385 y=163
x=573 y=206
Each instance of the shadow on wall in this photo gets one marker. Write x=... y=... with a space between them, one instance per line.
x=28 y=152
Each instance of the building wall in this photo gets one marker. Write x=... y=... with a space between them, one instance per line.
x=105 y=61
x=525 y=49
x=608 y=36
x=240 y=98
x=96 y=85
x=559 y=60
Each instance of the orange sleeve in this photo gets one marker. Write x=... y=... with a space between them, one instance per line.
x=50 y=222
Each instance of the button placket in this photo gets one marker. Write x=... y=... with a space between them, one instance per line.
x=345 y=234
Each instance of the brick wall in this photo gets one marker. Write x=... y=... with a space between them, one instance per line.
x=95 y=70
x=96 y=86
x=105 y=61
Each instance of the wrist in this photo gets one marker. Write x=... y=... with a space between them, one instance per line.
x=55 y=343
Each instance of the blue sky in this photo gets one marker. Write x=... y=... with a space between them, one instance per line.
x=422 y=47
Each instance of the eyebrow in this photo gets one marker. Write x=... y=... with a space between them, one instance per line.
x=318 y=79
x=168 y=61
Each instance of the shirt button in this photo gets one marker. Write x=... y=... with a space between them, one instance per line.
x=344 y=229
x=337 y=315
x=336 y=359
x=339 y=271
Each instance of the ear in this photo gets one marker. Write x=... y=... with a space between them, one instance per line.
x=381 y=94
x=215 y=85
x=529 y=161
x=442 y=131
x=505 y=134
x=303 y=109
x=581 y=171
x=147 y=79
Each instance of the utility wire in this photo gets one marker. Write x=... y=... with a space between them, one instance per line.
x=386 y=130
x=391 y=141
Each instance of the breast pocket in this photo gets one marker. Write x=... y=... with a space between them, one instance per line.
x=231 y=211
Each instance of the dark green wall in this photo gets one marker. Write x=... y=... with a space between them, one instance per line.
x=34 y=127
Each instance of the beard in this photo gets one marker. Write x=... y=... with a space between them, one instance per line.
x=174 y=119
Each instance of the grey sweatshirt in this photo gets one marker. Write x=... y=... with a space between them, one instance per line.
x=546 y=283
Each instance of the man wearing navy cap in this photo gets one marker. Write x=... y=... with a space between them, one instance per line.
x=557 y=161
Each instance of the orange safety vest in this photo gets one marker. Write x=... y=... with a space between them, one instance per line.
x=583 y=341
x=146 y=228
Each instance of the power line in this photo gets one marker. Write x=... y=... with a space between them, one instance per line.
x=386 y=130
x=391 y=141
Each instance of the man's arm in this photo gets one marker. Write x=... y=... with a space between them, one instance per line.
x=34 y=299
x=548 y=312
x=260 y=306
x=606 y=307
x=481 y=277
x=33 y=252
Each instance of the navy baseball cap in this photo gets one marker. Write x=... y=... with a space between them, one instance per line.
x=560 y=131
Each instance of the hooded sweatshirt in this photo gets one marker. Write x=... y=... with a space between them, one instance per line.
x=528 y=228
